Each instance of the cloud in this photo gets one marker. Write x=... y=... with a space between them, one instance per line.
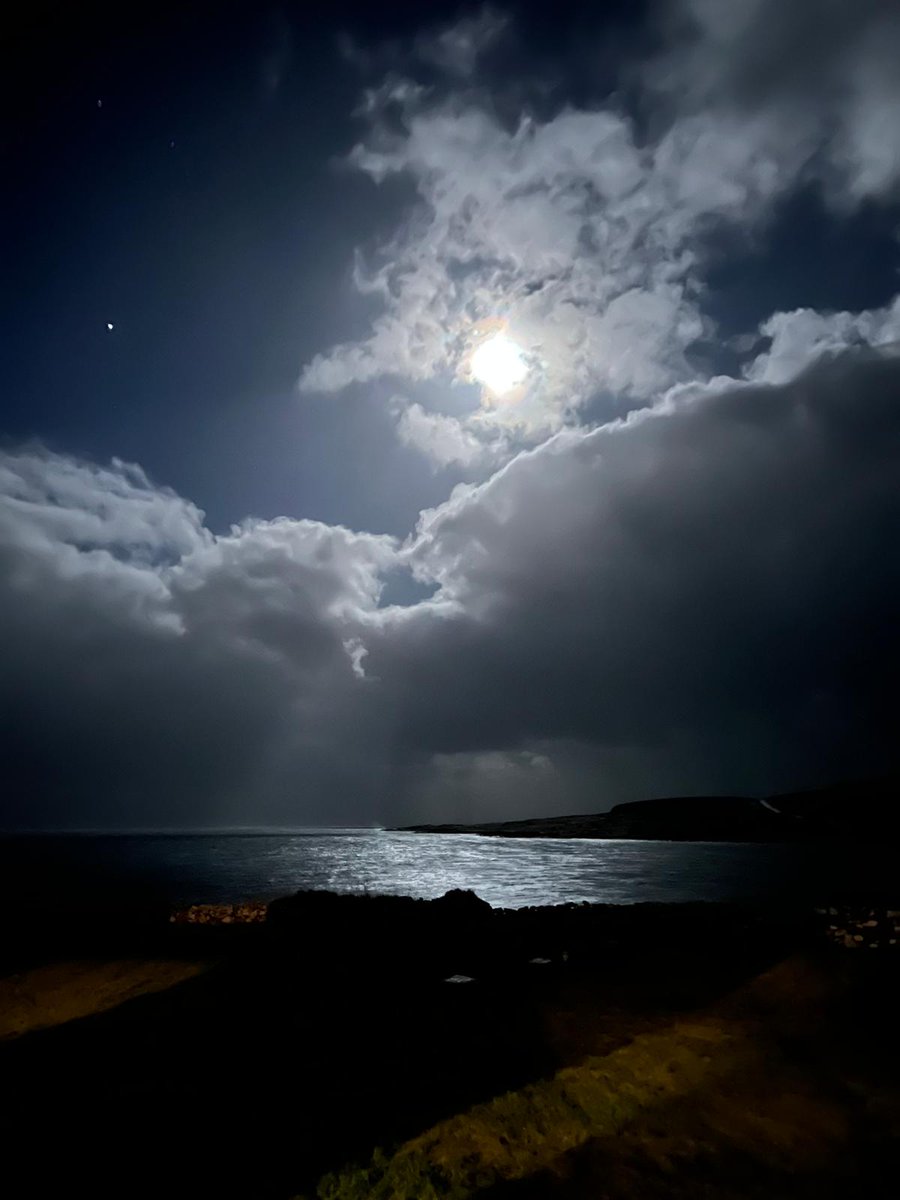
x=800 y=337
x=585 y=229
x=457 y=48
x=443 y=439
x=697 y=596
x=51 y=500
x=508 y=784
x=663 y=579
x=554 y=228
x=711 y=566
x=813 y=76
x=155 y=673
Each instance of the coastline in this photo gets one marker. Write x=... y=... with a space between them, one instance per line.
x=860 y=811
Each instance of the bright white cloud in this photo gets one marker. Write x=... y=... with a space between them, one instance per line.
x=556 y=229
x=584 y=237
x=443 y=439
x=802 y=336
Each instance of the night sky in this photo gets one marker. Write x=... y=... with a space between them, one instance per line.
x=446 y=412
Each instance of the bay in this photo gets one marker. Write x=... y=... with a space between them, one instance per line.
x=510 y=873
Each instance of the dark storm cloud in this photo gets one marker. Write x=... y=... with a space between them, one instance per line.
x=815 y=75
x=154 y=674
x=720 y=560
x=713 y=572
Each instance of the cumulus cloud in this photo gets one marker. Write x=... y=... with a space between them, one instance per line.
x=155 y=673
x=555 y=229
x=443 y=439
x=800 y=337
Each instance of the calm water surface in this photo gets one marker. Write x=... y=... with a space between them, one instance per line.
x=505 y=872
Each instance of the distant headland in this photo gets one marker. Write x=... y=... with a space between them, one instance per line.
x=861 y=811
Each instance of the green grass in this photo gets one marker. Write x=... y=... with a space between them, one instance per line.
x=723 y=1104
x=525 y=1131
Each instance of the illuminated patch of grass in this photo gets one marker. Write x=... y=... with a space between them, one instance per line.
x=47 y=996
x=523 y=1132
x=716 y=1101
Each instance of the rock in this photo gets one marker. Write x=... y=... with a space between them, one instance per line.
x=462 y=904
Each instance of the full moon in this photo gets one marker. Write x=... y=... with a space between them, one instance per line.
x=498 y=363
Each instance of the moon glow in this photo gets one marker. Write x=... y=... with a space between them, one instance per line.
x=499 y=364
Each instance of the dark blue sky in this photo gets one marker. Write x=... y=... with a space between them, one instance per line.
x=201 y=212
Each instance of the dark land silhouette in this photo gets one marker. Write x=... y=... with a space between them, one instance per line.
x=865 y=810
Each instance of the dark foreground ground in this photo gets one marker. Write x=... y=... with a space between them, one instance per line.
x=681 y=1051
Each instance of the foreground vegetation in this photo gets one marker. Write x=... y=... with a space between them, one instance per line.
x=653 y=1051
x=724 y=1104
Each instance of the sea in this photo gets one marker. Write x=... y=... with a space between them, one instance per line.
x=179 y=869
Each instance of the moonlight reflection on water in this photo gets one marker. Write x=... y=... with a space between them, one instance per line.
x=509 y=873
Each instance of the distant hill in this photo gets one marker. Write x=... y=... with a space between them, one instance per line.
x=861 y=811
